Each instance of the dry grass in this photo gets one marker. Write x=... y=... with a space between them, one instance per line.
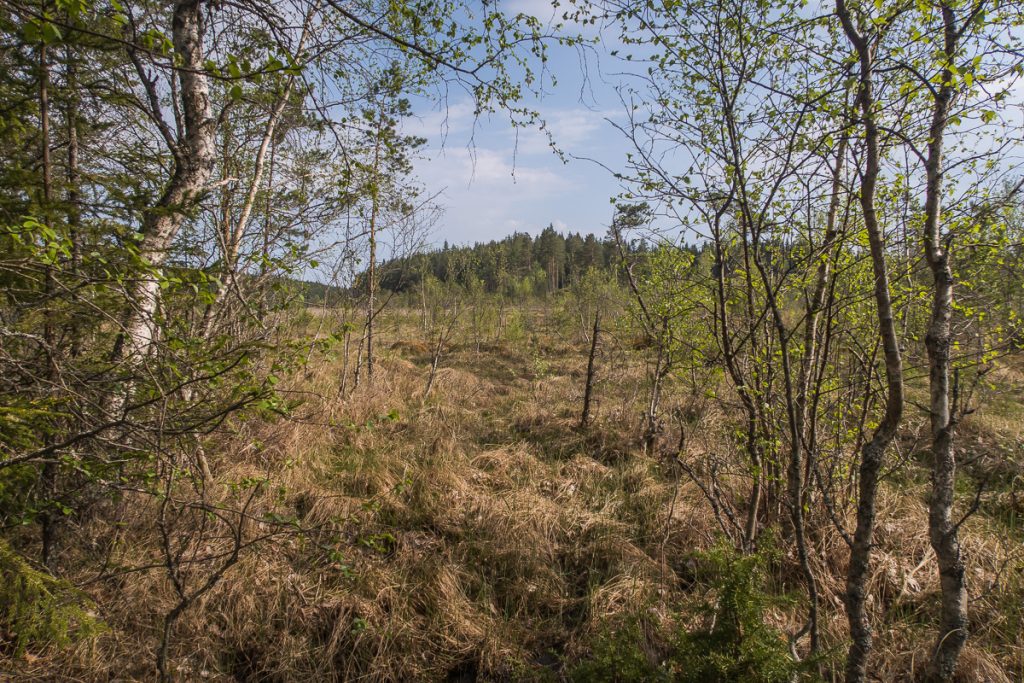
x=478 y=532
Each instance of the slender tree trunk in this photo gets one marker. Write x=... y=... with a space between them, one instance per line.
x=589 y=388
x=501 y=318
x=795 y=482
x=267 y=227
x=943 y=532
x=443 y=335
x=754 y=499
x=224 y=237
x=817 y=300
x=434 y=361
x=661 y=367
x=74 y=212
x=344 y=365
x=423 y=302
x=234 y=231
x=371 y=275
x=359 y=361
x=47 y=519
x=193 y=164
x=194 y=154
x=873 y=452
x=795 y=388
x=751 y=225
x=817 y=341
x=44 y=125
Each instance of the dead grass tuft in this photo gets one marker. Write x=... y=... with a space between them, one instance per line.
x=479 y=533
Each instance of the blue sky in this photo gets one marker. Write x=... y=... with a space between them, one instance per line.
x=495 y=179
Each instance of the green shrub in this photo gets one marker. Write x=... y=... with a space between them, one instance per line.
x=738 y=645
x=36 y=609
x=617 y=655
x=515 y=326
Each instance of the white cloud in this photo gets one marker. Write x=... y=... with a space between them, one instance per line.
x=542 y=9
x=443 y=121
x=488 y=192
x=570 y=130
x=484 y=169
x=497 y=180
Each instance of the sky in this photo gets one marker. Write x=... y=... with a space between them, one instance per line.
x=495 y=179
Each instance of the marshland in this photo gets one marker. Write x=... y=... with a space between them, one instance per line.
x=511 y=341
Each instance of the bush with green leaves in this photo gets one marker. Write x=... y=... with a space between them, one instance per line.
x=737 y=644
x=617 y=655
x=37 y=609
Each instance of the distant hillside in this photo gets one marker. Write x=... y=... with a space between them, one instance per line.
x=317 y=292
x=519 y=263
x=548 y=261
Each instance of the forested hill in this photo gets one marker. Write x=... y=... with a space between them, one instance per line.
x=520 y=261
x=547 y=261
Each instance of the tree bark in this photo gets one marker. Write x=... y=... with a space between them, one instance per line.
x=943 y=532
x=47 y=519
x=193 y=154
x=74 y=214
x=589 y=387
x=873 y=452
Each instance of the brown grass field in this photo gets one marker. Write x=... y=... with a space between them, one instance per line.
x=479 y=535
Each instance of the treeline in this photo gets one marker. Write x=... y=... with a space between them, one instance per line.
x=519 y=263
